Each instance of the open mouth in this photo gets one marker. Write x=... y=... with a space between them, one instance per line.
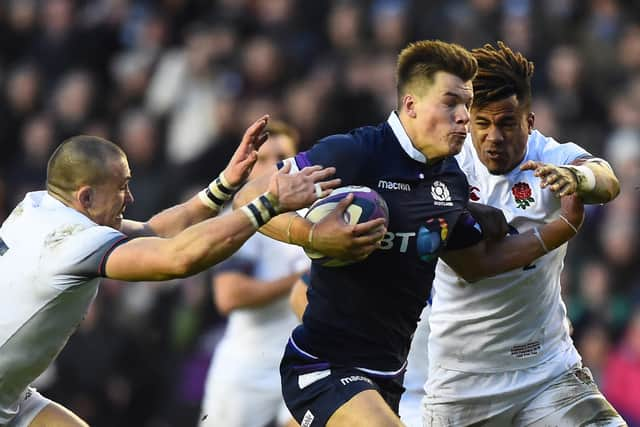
x=494 y=155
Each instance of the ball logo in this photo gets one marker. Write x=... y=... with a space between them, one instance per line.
x=440 y=194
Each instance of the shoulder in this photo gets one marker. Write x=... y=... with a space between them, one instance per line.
x=357 y=139
x=548 y=150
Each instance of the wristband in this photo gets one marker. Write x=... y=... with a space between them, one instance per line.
x=261 y=209
x=585 y=178
x=573 y=227
x=289 y=228
x=536 y=233
x=217 y=192
x=310 y=236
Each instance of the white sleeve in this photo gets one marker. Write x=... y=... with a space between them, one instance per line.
x=82 y=254
x=562 y=154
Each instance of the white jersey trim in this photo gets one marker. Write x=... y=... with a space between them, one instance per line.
x=403 y=138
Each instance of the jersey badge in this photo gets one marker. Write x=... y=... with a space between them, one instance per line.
x=440 y=194
x=522 y=193
x=473 y=193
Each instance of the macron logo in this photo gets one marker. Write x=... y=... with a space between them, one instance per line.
x=390 y=185
x=353 y=378
x=307 y=419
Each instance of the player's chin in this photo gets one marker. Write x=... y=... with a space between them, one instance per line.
x=455 y=145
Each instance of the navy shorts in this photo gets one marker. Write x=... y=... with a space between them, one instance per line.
x=314 y=389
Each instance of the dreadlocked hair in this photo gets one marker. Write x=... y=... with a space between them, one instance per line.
x=501 y=74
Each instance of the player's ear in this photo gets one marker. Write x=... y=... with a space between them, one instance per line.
x=531 y=119
x=84 y=195
x=409 y=105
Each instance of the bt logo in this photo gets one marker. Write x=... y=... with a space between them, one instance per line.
x=428 y=239
x=389 y=240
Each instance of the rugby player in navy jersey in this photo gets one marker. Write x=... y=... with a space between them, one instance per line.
x=344 y=365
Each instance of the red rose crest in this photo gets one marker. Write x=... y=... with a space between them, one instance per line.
x=522 y=193
x=473 y=195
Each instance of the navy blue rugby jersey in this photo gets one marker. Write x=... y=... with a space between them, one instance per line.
x=363 y=315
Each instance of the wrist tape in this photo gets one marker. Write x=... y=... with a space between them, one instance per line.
x=217 y=192
x=585 y=177
x=261 y=209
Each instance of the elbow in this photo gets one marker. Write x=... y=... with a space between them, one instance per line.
x=224 y=306
x=614 y=189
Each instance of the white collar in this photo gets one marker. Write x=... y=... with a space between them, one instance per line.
x=403 y=138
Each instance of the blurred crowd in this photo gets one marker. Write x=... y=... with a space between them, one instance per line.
x=175 y=82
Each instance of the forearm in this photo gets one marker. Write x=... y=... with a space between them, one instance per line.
x=209 y=242
x=169 y=222
x=193 y=250
x=288 y=227
x=205 y=204
x=241 y=291
x=172 y=221
x=496 y=257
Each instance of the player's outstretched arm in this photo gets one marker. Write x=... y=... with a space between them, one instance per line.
x=491 y=257
x=233 y=290
x=592 y=179
x=209 y=201
x=209 y=242
x=332 y=236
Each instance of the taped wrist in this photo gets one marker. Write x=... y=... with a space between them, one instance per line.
x=217 y=193
x=585 y=178
x=261 y=209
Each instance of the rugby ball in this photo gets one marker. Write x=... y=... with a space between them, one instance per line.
x=367 y=204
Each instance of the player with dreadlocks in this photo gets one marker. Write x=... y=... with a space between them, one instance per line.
x=518 y=365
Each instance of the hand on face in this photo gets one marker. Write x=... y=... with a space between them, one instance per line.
x=560 y=180
x=245 y=156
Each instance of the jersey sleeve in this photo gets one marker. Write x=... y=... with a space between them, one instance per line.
x=344 y=152
x=563 y=154
x=467 y=232
x=83 y=254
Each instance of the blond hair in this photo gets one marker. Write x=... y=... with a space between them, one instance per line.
x=80 y=160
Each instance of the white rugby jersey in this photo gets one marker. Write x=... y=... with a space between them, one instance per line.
x=517 y=319
x=252 y=345
x=50 y=257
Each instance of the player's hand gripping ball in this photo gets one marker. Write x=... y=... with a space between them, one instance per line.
x=367 y=204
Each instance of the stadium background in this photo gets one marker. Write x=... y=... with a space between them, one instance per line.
x=175 y=82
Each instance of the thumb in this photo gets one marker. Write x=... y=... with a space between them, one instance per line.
x=530 y=165
x=286 y=168
x=342 y=206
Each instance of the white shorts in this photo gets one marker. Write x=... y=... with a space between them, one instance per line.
x=231 y=404
x=567 y=400
x=411 y=408
x=30 y=404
